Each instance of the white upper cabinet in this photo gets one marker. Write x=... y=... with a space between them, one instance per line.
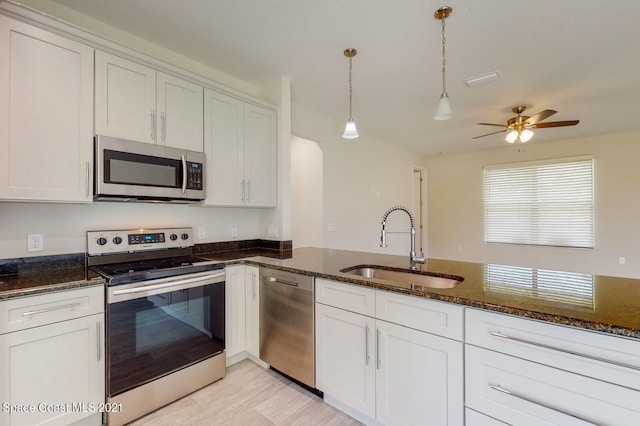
x=138 y=103
x=46 y=106
x=240 y=144
x=180 y=114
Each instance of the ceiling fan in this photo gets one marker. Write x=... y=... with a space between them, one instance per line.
x=520 y=126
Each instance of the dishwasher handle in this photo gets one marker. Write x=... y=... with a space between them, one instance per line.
x=279 y=281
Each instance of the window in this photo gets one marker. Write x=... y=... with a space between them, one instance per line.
x=546 y=203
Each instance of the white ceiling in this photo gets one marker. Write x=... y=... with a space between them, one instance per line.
x=581 y=58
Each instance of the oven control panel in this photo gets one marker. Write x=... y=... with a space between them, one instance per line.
x=132 y=240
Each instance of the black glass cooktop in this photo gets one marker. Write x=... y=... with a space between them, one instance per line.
x=144 y=270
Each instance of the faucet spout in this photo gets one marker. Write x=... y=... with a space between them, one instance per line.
x=413 y=258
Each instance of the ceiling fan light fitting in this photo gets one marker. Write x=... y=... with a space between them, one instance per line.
x=444 y=111
x=526 y=135
x=511 y=136
x=350 y=131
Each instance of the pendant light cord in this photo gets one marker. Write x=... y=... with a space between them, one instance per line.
x=350 y=89
x=444 y=60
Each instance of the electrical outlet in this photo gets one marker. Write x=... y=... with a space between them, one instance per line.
x=35 y=242
x=202 y=233
x=234 y=232
x=622 y=260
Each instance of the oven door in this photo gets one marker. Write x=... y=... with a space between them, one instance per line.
x=161 y=326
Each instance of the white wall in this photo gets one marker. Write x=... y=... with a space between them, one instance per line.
x=307 y=202
x=455 y=199
x=362 y=179
x=64 y=225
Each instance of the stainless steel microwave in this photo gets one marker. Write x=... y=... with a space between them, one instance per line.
x=135 y=171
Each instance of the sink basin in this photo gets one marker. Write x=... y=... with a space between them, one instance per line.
x=410 y=279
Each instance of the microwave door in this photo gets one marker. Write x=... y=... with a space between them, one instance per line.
x=138 y=170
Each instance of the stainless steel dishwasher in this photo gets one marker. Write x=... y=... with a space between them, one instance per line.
x=287 y=324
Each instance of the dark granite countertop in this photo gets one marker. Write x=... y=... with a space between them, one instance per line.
x=599 y=303
x=34 y=282
x=592 y=302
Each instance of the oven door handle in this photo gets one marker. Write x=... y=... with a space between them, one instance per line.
x=169 y=284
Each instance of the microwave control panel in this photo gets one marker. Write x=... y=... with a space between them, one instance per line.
x=194 y=175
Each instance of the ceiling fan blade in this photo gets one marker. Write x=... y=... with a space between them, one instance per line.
x=556 y=124
x=489 y=134
x=491 y=124
x=540 y=116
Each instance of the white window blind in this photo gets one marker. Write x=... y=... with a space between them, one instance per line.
x=547 y=203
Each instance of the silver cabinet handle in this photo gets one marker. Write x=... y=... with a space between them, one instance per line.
x=565 y=351
x=533 y=401
x=248 y=190
x=163 y=127
x=88 y=179
x=254 y=288
x=275 y=280
x=184 y=173
x=54 y=308
x=98 y=337
x=242 y=189
x=367 y=356
x=153 y=124
x=379 y=363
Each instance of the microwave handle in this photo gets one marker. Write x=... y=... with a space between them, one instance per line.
x=184 y=174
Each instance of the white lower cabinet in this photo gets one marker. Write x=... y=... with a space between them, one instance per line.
x=380 y=372
x=522 y=371
x=242 y=313
x=235 y=306
x=52 y=359
x=252 y=310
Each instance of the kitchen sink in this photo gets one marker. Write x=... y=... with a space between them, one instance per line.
x=413 y=279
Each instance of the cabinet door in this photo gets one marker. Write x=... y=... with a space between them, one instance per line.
x=234 y=336
x=125 y=99
x=345 y=358
x=419 y=376
x=180 y=113
x=260 y=156
x=224 y=147
x=252 y=289
x=46 y=134
x=55 y=365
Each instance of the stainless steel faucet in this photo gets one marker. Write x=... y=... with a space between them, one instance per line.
x=413 y=259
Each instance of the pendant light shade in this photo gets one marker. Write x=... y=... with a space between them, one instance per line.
x=350 y=131
x=444 y=111
x=444 y=108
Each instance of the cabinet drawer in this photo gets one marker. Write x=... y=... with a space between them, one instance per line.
x=354 y=298
x=439 y=318
x=523 y=392
x=33 y=311
x=605 y=357
x=473 y=418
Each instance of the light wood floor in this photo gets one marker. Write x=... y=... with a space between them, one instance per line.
x=248 y=395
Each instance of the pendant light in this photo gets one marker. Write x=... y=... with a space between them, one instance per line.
x=350 y=131
x=444 y=111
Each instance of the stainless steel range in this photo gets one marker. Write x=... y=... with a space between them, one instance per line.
x=165 y=317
